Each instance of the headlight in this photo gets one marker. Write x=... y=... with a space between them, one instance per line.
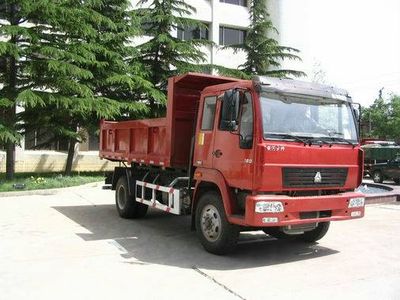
x=357 y=202
x=269 y=207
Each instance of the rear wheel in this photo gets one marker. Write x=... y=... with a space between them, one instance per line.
x=396 y=180
x=216 y=234
x=377 y=176
x=126 y=205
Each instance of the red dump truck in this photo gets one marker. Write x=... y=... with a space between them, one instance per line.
x=269 y=154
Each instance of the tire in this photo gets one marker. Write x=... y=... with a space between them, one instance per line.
x=276 y=233
x=215 y=233
x=315 y=234
x=396 y=180
x=126 y=205
x=377 y=176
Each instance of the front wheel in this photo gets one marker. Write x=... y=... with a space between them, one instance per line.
x=126 y=205
x=278 y=234
x=315 y=234
x=216 y=234
x=377 y=176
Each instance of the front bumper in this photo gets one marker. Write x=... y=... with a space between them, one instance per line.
x=303 y=210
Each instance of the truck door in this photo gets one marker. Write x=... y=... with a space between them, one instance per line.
x=232 y=151
x=205 y=132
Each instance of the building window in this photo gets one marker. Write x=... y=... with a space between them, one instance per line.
x=231 y=36
x=193 y=33
x=236 y=2
x=93 y=142
x=44 y=140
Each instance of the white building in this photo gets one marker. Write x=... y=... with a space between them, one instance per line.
x=227 y=21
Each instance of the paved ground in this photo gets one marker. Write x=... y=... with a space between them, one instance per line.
x=72 y=245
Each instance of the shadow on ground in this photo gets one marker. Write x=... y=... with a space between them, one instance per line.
x=164 y=239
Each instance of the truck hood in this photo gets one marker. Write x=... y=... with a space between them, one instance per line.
x=281 y=165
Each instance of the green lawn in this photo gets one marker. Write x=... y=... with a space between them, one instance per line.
x=25 y=181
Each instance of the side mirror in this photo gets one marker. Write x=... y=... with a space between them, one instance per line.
x=357 y=111
x=230 y=110
x=357 y=115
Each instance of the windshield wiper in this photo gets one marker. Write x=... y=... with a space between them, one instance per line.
x=309 y=140
x=340 y=139
x=321 y=141
x=333 y=133
x=290 y=136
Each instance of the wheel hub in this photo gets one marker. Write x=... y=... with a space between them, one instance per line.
x=210 y=223
x=121 y=197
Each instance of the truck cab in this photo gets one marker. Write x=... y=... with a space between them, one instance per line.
x=286 y=152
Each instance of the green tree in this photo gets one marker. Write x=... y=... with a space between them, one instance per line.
x=10 y=36
x=121 y=76
x=60 y=66
x=263 y=53
x=164 y=55
x=383 y=117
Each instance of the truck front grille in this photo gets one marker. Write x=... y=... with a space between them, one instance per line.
x=313 y=177
x=315 y=214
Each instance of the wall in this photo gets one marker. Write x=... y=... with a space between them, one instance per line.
x=53 y=161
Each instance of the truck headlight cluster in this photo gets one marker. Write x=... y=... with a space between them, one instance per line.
x=269 y=207
x=357 y=202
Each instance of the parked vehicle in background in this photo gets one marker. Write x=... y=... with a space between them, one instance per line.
x=377 y=142
x=282 y=156
x=377 y=153
x=388 y=170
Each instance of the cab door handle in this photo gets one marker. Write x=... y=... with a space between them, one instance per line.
x=217 y=153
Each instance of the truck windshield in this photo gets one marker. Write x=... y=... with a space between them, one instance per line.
x=285 y=117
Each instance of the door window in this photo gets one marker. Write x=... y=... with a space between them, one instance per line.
x=246 y=122
x=207 y=122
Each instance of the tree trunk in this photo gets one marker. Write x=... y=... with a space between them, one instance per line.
x=70 y=157
x=12 y=88
x=10 y=160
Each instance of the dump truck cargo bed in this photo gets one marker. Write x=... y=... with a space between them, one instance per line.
x=163 y=141
x=141 y=141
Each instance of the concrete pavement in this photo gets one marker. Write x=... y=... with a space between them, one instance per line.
x=72 y=245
